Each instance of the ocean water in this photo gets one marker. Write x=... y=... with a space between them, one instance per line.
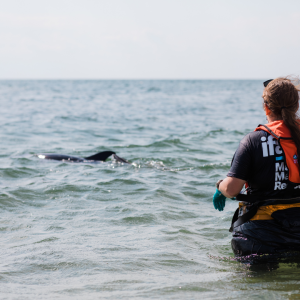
x=111 y=230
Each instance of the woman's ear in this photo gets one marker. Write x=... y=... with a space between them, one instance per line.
x=267 y=109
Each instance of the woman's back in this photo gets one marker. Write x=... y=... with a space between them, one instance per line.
x=261 y=162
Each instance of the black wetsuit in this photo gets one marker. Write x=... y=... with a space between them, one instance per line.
x=267 y=176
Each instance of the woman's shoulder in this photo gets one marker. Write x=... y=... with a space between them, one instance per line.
x=253 y=138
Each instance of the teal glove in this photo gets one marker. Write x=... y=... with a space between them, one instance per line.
x=219 y=200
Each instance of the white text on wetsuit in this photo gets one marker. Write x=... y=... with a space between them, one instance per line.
x=281 y=171
x=271 y=142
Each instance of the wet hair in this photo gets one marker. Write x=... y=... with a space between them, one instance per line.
x=281 y=96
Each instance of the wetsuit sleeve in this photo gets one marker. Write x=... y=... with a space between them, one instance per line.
x=241 y=162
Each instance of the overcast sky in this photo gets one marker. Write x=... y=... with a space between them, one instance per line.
x=149 y=39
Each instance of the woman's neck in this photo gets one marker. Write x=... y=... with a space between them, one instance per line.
x=272 y=118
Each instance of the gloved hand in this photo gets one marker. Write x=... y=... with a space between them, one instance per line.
x=219 y=200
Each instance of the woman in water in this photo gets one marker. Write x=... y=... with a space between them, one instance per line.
x=266 y=162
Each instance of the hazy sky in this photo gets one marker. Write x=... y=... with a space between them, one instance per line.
x=149 y=39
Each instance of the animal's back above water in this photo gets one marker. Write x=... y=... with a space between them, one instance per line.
x=61 y=157
x=101 y=156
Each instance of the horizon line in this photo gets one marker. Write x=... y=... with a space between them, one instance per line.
x=133 y=79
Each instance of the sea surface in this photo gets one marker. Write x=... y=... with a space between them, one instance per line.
x=126 y=231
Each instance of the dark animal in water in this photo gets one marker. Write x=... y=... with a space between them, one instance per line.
x=101 y=156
